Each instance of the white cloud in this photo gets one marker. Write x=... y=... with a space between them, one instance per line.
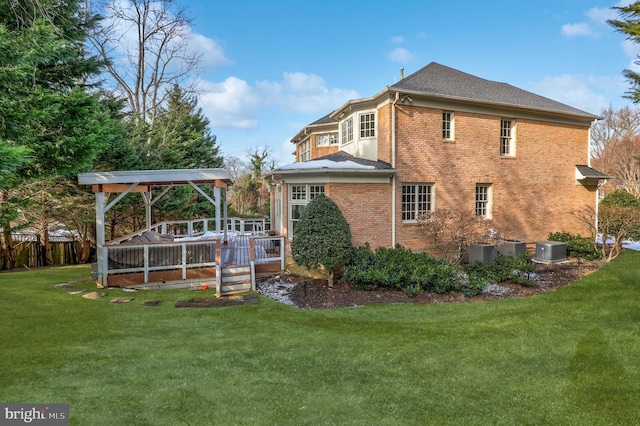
x=400 y=54
x=579 y=29
x=585 y=92
x=210 y=51
x=232 y=103
x=303 y=93
x=632 y=50
x=596 y=22
x=397 y=39
x=121 y=17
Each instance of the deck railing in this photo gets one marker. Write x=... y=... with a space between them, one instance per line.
x=197 y=227
x=265 y=250
x=164 y=256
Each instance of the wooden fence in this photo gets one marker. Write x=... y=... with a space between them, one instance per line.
x=31 y=253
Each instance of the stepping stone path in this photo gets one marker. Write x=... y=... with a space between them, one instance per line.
x=94 y=295
x=72 y=283
x=152 y=303
x=76 y=291
x=121 y=300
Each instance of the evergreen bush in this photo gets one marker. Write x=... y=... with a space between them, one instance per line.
x=322 y=237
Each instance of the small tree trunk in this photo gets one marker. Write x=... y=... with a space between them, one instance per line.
x=8 y=252
x=330 y=281
x=47 y=258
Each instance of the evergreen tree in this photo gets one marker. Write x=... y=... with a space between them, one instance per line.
x=181 y=138
x=629 y=24
x=322 y=237
x=52 y=123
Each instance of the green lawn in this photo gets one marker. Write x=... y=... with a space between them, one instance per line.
x=570 y=357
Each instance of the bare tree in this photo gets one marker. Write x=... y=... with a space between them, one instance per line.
x=145 y=45
x=620 y=160
x=615 y=126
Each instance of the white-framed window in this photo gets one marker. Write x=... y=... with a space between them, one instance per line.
x=483 y=200
x=305 y=151
x=368 y=125
x=447 y=125
x=346 y=131
x=417 y=199
x=327 y=139
x=299 y=196
x=507 y=139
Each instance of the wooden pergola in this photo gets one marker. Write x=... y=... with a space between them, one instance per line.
x=142 y=181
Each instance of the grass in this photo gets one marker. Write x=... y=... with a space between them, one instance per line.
x=569 y=357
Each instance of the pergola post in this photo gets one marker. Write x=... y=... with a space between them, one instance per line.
x=146 y=196
x=217 y=196
x=224 y=204
x=100 y=239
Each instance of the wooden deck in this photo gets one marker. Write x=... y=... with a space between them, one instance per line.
x=192 y=259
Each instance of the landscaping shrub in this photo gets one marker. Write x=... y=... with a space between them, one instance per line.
x=401 y=269
x=577 y=246
x=322 y=237
x=504 y=268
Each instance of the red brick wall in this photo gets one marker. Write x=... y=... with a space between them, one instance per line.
x=321 y=151
x=533 y=193
x=384 y=134
x=367 y=208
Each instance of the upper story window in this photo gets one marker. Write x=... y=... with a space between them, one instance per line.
x=347 y=131
x=416 y=201
x=368 y=125
x=327 y=139
x=483 y=200
x=447 y=125
x=507 y=145
x=305 y=151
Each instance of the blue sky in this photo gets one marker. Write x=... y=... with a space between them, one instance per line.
x=271 y=67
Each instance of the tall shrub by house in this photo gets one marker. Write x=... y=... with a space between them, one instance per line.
x=322 y=237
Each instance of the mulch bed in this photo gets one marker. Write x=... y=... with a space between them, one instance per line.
x=311 y=293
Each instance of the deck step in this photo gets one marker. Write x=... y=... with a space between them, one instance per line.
x=235 y=288
x=235 y=279
x=230 y=270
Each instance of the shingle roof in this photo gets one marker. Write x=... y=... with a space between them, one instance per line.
x=591 y=173
x=440 y=80
x=324 y=120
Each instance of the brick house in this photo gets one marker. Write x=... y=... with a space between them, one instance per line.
x=441 y=138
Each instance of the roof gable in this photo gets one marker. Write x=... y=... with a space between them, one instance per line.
x=439 y=80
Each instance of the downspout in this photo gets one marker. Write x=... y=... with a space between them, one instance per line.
x=393 y=166
x=597 y=187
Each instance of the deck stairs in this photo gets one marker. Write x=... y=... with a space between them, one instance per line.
x=235 y=279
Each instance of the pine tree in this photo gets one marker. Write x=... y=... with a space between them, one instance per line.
x=629 y=24
x=52 y=121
